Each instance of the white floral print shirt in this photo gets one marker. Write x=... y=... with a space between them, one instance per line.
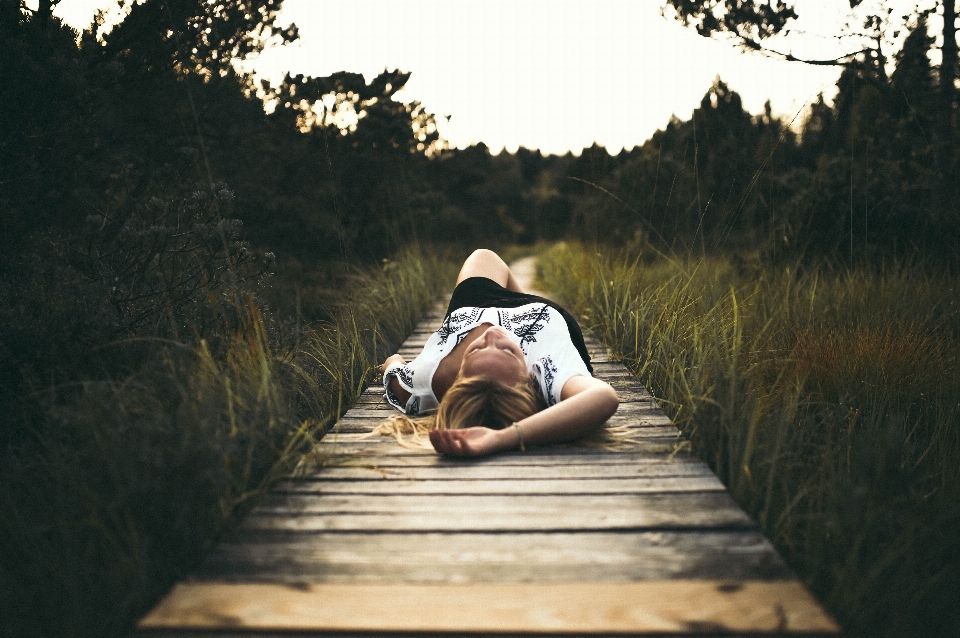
x=537 y=328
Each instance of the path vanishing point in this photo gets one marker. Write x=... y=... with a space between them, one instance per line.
x=558 y=541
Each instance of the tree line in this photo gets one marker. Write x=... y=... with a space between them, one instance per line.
x=141 y=170
x=156 y=202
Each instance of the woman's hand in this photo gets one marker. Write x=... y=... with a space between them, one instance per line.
x=586 y=403
x=394 y=358
x=477 y=441
x=399 y=392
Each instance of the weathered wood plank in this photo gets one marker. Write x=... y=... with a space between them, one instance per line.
x=642 y=417
x=623 y=440
x=638 y=394
x=696 y=606
x=431 y=467
x=649 y=428
x=352 y=439
x=636 y=414
x=496 y=513
x=631 y=425
x=375 y=406
x=649 y=441
x=569 y=455
x=628 y=413
x=508 y=557
x=374 y=394
x=632 y=485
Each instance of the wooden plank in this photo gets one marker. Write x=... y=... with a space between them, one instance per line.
x=632 y=485
x=365 y=425
x=374 y=395
x=496 y=513
x=635 y=393
x=697 y=606
x=642 y=410
x=357 y=431
x=431 y=467
x=384 y=451
x=624 y=379
x=365 y=419
x=642 y=440
x=646 y=423
x=508 y=557
x=636 y=414
x=340 y=445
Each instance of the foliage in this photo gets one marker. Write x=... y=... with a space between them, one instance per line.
x=752 y=24
x=116 y=483
x=154 y=375
x=205 y=38
x=823 y=399
x=863 y=182
x=158 y=107
x=751 y=21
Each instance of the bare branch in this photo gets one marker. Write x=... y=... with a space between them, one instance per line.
x=842 y=60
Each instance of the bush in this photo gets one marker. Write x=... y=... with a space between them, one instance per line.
x=116 y=482
x=825 y=400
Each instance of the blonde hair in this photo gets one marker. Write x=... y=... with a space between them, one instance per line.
x=470 y=401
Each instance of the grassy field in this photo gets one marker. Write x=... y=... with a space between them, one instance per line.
x=828 y=401
x=114 y=486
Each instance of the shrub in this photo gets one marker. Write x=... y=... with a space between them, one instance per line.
x=825 y=400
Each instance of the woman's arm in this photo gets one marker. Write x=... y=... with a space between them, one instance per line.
x=586 y=403
x=395 y=387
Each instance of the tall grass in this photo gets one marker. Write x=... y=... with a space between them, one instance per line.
x=827 y=401
x=119 y=483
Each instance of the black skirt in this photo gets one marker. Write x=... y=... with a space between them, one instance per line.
x=480 y=292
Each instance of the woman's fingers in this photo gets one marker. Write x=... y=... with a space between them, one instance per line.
x=390 y=360
x=440 y=441
x=450 y=442
x=476 y=441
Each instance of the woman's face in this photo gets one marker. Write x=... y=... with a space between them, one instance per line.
x=494 y=354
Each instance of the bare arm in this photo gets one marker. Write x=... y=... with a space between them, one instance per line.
x=395 y=387
x=586 y=403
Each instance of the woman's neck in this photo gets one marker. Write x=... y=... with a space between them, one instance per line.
x=449 y=366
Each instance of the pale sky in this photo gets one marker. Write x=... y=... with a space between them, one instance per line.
x=557 y=75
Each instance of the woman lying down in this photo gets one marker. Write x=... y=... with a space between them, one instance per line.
x=505 y=370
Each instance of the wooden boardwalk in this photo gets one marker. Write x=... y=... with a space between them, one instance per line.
x=560 y=540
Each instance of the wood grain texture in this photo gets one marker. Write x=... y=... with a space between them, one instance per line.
x=496 y=513
x=357 y=469
x=693 y=606
x=505 y=557
x=632 y=485
x=382 y=540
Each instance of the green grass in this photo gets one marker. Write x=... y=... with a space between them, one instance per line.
x=116 y=485
x=827 y=401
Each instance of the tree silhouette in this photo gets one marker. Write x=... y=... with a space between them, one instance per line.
x=750 y=22
x=196 y=36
